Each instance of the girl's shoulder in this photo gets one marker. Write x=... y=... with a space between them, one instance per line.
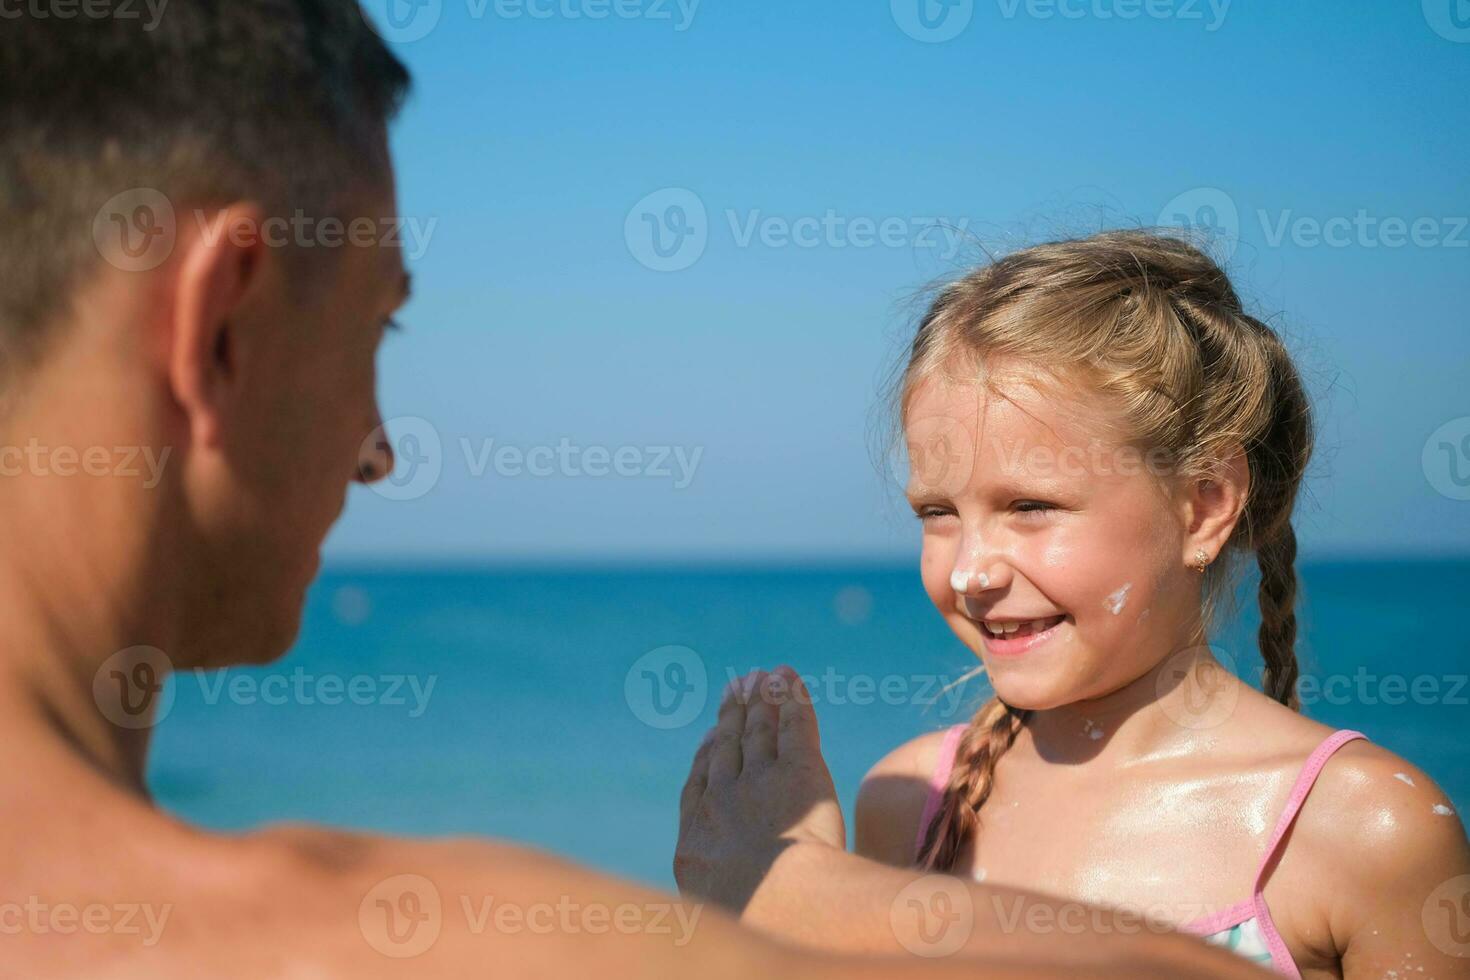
x=1357 y=792
x=893 y=795
x=1383 y=811
x=1375 y=842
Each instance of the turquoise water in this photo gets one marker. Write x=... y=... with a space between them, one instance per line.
x=541 y=706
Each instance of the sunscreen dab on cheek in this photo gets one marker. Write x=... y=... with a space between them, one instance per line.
x=1118 y=600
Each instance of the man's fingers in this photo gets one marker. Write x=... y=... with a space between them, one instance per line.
x=698 y=779
x=725 y=755
x=796 y=728
x=761 y=715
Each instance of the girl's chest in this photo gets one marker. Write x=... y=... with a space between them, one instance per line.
x=1175 y=850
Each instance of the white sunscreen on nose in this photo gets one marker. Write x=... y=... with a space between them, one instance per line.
x=959 y=581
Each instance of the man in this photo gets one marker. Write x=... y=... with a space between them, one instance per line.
x=195 y=282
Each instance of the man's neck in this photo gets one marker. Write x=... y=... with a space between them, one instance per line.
x=81 y=589
x=62 y=673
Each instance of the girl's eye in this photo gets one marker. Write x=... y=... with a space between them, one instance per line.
x=927 y=514
x=1033 y=506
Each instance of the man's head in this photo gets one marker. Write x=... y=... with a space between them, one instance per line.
x=193 y=261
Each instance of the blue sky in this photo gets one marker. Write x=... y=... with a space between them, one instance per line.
x=809 y=165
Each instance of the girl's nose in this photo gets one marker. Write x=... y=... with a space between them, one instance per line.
x=966 y=581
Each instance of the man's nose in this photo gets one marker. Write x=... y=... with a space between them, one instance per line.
x=375 y=455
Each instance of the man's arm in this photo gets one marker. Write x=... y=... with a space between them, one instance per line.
x=369 y=907
x=762 y=834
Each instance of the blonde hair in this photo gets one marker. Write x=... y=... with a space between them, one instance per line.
x=1152 y=322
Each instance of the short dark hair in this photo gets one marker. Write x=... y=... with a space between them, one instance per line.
x=281 y=101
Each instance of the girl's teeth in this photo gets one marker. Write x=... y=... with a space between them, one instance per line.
x=1017 y=629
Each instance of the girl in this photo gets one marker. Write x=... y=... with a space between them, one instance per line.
x=1099 y=432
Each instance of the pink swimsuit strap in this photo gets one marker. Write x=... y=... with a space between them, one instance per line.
x=1280 y=956
x=1253 y=907
x=938 y=781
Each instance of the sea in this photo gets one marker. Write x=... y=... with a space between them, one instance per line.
x=561 y=707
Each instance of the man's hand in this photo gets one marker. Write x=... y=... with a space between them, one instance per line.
x=757 y=786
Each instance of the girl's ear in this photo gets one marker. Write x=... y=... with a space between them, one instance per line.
x=1213 y=505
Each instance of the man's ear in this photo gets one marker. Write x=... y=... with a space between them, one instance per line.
x=215 y=276
x=1213 y=506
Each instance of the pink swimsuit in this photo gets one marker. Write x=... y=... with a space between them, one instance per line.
x=1245 y=928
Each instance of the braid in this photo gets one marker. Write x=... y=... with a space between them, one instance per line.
x=992 y=731
x=1277 y=636
x=1279 y=460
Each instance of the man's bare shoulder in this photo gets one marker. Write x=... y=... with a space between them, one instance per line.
x=306 y=901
